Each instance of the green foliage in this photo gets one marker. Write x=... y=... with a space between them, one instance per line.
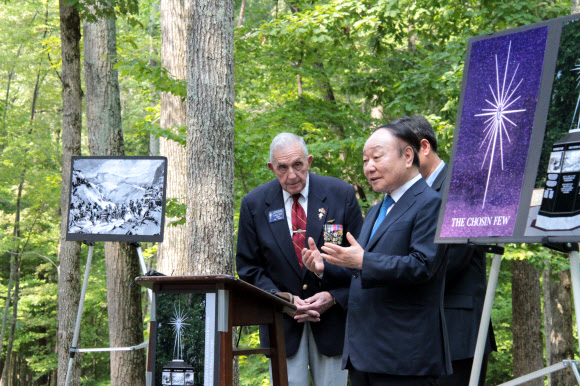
x=352 y=57
x=153 y=76
x=175 y=209
x=253 y=368
x=92 y=10
x=31 y=152
x=500 y=365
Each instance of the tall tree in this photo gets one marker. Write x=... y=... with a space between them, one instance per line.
x=106 y=138
x=153 y=32
x=210 y=136
x=558 y=325
x=527 y=320
x=210 y=139
x=172 y=257
x=69 y=252
x=14 y=273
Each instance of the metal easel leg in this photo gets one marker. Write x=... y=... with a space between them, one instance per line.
x=152 y=328
x=574 y=365
x=143 y=266
x=149 y=375
x=575 y=277
x=572 y=250
x=486 y=316
x=73 y=348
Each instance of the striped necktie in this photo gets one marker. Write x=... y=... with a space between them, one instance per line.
x=298 y=228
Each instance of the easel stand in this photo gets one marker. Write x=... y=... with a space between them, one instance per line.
x=74 y=349
x=498 y=250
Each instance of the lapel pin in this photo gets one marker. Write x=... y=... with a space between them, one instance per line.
x=321 y=213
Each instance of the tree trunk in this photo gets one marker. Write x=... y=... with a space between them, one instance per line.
x=241 y=17
x=7 y=302
x=153 y=32
x=210 y=139
x=106 y=138
x=527 y=320
x=102 y=88
x=15 y=273
x=69 y=284
x=7 y=97
x=324 y=83
x=125 y=317
x=172 y=256
x=558 y=325
x=5 y=381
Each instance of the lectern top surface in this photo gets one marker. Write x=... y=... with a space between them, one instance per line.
x=209 y=283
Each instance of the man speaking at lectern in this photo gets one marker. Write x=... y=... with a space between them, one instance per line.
x=275 y=221
x=395 y=326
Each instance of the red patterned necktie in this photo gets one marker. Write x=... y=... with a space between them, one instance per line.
x=298 y=228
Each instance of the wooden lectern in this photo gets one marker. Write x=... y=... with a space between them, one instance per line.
x=237 y=303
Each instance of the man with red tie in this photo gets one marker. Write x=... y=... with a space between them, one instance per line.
x=275 y=220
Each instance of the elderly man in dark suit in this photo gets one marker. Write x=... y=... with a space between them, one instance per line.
x=465 y=278
x=395 y=326
x=275 y=220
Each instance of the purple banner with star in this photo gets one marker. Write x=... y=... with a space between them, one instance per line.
x=497 y=117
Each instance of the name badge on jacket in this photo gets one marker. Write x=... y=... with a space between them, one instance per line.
x=276 y=215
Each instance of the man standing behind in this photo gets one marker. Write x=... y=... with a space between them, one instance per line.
x=275 y=220
x=395 y=326
x=465 y=277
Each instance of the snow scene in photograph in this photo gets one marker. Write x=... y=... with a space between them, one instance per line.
x=116 y=196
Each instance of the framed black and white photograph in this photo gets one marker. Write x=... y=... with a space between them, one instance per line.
x=117 y=199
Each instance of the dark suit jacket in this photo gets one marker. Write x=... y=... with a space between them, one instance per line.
x=465 y=285
x=395 y=321
x=266 y=258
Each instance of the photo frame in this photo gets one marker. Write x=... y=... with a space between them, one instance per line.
x=513 y=145
x=117 y=199
x=185 y=337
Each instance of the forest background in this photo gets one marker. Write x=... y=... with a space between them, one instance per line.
x=329 y=70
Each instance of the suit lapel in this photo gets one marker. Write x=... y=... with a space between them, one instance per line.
x=280 y=230
x=367 y=227
x=438 y=183
x=315 y=217
x=399 y=208
x=317 y=210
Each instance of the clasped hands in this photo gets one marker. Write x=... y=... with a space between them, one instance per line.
x=309 y=310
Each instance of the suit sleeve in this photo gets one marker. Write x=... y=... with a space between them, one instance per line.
x=422 y=260
x=459 y=257
x=353 y=224
x=249 y=259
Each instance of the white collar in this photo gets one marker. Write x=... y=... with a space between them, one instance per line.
x=433 y=176
x=398 y=193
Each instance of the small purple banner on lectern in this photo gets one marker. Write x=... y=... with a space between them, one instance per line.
x=497 y=117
